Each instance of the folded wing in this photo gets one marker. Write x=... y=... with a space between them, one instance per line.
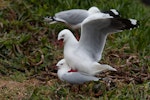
x=78 y=78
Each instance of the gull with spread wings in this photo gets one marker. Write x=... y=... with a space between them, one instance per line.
x=84 y=55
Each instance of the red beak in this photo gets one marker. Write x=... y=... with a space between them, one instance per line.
x=60 y=43
x=55 y=67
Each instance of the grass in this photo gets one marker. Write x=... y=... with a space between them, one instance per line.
x=28 y=52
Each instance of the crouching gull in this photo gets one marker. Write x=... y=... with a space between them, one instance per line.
x=84 y=55
x=72 y=77
x=74 y=17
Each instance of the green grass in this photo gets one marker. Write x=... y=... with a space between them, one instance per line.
x=28 y=52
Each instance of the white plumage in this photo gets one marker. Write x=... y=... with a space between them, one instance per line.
x=84 y=55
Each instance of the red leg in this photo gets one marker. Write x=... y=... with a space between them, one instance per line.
x=72 y=70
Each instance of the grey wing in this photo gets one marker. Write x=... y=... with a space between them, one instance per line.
x=73 y=17
x=78 y=78
x=93 y=37
x=94 y=31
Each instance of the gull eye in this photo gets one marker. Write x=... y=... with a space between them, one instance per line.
x=61 y=64
x=63 y=35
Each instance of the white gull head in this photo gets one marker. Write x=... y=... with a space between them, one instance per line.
x=62 y=69
x=67 y=35
x=93 y=10
x=64 y=35
x=61 y=64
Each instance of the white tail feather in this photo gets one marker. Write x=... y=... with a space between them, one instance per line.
x=98 y=68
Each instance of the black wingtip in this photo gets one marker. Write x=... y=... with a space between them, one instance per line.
x=49 y=19
x=112 y=12
x=122 y=23
x=130 y=23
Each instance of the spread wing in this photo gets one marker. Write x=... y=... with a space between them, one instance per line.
x=94 y=31
x=73 y=17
